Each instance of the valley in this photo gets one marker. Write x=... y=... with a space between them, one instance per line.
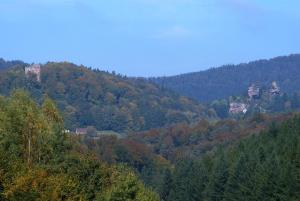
x=165 y=140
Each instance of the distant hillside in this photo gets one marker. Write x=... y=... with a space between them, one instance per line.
x=231 y=80
x=6 y=64
x=259 y=99
x=103 y=100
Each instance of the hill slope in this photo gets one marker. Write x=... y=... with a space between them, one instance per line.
x=229 y=80
x=263 y=167
x=103 y=100
x=6 y=64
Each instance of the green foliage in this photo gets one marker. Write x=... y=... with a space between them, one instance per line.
x=221 y=107
x=234 y=80
x=7 y=64
x=262 y=167
x=38 y=161
x=105 y=101
x=183 y=141
x=217 y=181
x=148 y=165
x=266 y=102
x=127 y=187
x=187 y=182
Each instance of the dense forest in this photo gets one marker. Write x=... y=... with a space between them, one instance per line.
x=106 y=101
x=183 y=140
x=155 y=153
x=39 y=161
x=175 y=149
x=264 y=102
x=234 y=80
x=263 y=167
x=255 y=158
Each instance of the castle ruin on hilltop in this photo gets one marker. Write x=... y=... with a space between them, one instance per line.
x=236 y=107
x=275 y=90
x=34 y=69
x=256 y=94
x=253 y=91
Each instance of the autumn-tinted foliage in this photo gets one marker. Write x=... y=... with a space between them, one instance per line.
x=38 y=161
x=182 y=140
x=106 y=101
x=149 y=166
x=181 y=161
x=262 y=167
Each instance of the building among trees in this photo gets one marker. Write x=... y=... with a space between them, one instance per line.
x=35 y=70
x=236 y=108
x=253 y=91
x=275 y=90
x=81 y=131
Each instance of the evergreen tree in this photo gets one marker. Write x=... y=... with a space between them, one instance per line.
x=216 y=187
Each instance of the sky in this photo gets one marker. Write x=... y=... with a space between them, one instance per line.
x=148 y=37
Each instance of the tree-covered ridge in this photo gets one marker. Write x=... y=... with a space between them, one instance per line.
x=234 y=80
x=7 y=64
x=39 y=161
x=264 y=102
x=262 y=167
x=106 y=101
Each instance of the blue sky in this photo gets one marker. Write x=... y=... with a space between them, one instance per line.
x=148 y=37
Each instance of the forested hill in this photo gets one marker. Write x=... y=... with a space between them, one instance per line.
x=106 y=101
x=231 y=80
x=6 y=64
x=263 y=167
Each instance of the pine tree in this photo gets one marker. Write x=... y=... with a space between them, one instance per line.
x=166 y=186
x=216 y=187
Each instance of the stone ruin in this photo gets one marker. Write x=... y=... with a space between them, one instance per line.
x=34 y=69
x=253 y=91
x=236 y=108
x=275 y=90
